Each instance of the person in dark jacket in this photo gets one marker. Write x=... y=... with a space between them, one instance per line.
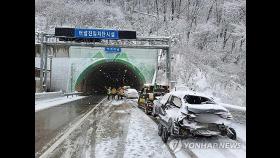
x=108 y=93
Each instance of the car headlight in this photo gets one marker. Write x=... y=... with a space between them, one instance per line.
x=191 y=117
x=225 y=115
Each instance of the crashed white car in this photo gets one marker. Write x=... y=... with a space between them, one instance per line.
x=131 y=93
x=187 y=113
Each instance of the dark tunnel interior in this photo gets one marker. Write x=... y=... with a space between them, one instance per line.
x=109 y=74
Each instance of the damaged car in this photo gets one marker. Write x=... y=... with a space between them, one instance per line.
x=187 y=113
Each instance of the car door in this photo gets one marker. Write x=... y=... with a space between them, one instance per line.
x=172 y=107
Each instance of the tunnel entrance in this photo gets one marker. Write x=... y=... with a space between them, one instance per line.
x=109 y=74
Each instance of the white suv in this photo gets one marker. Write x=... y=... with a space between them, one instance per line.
x=186 y=113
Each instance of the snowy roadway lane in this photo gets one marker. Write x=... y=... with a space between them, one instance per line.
x=120 y=129
x=51 y=122
x=114 y=129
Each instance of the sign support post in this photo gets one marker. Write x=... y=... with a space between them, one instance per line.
x=46 y=69
x=41 y=62
x=168 y=63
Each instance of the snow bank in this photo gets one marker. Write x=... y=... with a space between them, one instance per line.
x=48 y=95
x=44 y=104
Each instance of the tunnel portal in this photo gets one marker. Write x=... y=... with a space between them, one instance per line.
x=110 y=74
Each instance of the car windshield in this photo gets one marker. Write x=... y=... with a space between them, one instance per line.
x=192 y=99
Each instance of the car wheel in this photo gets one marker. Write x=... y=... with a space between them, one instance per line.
x=232 y=134
x=164 y=135
x=146 y=110
x=153 y=113
x=159 y=129
x=170 y=126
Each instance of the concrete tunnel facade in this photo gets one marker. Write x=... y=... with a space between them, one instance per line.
x=109 y=73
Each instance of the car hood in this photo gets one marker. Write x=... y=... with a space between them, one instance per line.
x=206 y=108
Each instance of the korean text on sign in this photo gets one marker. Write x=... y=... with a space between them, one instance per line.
x=96 y=33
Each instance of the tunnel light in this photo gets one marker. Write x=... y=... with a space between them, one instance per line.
x=100 y=70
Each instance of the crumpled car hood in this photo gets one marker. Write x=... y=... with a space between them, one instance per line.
x=206 y=108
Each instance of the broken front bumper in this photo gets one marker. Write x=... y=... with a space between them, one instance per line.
x=203 y=129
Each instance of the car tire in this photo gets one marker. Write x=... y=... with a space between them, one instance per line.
x=164 y=135
x=170 y=126
x=154 y=115
x=232 y=136
x=146 y=110
x=153 y=112
x=160 y=127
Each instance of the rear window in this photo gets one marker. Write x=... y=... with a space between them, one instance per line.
x=192 y=99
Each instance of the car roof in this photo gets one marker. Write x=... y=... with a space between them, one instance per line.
x=182 y=93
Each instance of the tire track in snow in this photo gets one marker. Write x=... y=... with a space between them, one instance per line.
x=77 y=124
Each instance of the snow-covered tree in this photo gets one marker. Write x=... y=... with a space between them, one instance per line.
x=209 y=36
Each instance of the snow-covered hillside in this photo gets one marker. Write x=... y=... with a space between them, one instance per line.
x=209 y=36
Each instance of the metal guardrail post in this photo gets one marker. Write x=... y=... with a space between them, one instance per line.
x=42 y=61
x=46 y=67
x=168 y=63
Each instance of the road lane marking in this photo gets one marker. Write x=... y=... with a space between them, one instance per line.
x=68 y=132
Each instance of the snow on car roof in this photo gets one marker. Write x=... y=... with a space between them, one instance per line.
x=182 y=93
x=131 y=89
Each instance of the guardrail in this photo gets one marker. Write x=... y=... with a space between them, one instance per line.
x=72 y=94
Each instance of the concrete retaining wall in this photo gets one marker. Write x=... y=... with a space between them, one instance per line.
x=60 y=73
x=48 y=95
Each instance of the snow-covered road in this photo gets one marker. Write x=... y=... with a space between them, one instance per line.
x=114 y=129
x=120 y=129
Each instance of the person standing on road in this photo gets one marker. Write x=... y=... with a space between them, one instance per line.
x=121 y=92
x=114 y=91
x=108 y=93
